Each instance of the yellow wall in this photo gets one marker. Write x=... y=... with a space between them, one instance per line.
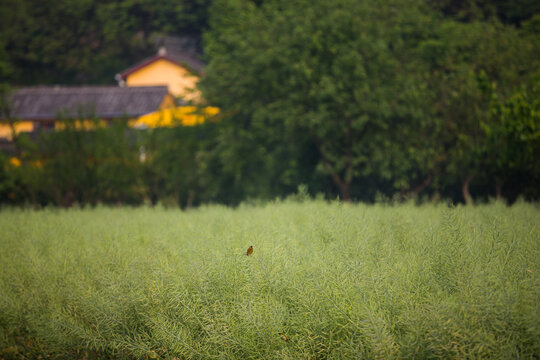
x=182 y=115
x=163 y=72
x=82 y=124
x=20 y=126
x=167 y=103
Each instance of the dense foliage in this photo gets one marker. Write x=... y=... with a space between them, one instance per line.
x=339 y=281
x=87 y=41
x=357 y=99
x=81 y=41
x=393 y=92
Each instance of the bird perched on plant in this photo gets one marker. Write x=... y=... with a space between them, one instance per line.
x=249 y=250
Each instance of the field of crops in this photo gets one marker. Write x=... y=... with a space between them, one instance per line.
x=337 y=281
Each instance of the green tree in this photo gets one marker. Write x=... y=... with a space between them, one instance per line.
x=341 y=72
x=469 y=63
x=4 y=86
x=255 y=162
x=86 y=41
x=88 y=167
x=510 y=12
x=176 y=164
x=512 y=144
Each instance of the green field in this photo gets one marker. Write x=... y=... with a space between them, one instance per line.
x=339 y=281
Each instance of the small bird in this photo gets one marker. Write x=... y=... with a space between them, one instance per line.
x=249 y=250
x=284 y=337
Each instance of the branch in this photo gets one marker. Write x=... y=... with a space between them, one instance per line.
x=327 y=163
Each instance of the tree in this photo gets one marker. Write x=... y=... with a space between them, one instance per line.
x=469 y=63
x=340 y=72
x=509 y=12
x=512 y=144
x=87 y=41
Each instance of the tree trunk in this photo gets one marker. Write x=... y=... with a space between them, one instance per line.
x=498 y=190
x=343 y=185
x=465 y=189
x=345 y=191
x=417 y=190
x=190 y=198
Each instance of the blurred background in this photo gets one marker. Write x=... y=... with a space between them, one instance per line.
x=187 y=102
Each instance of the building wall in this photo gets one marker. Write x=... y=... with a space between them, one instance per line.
x=167 y=103
x=163 y=72
x=170 y=117
x=20 y=126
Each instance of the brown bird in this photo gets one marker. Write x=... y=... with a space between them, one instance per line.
x=284 y=337
x=249 y=250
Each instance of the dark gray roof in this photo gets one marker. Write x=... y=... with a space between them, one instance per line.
x=193 y=62
x=184 y=49
x=183 y=44
x=106 y=102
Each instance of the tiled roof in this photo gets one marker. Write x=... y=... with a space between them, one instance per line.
x=192 y=61
x=106 y=102
x=184 y=49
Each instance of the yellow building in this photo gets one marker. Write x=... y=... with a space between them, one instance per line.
x=179 y=72
x=148 y=96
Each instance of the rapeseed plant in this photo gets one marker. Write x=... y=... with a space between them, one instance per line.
x=330 y=280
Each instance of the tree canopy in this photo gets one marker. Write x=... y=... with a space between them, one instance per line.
x=365 y=99
x=389 y=89
x=88 y=42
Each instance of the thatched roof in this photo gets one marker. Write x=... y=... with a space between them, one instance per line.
x=105 y=102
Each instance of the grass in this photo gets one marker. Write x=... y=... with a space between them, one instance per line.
x=339 y=281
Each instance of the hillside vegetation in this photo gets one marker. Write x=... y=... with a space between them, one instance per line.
x=337 y=280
